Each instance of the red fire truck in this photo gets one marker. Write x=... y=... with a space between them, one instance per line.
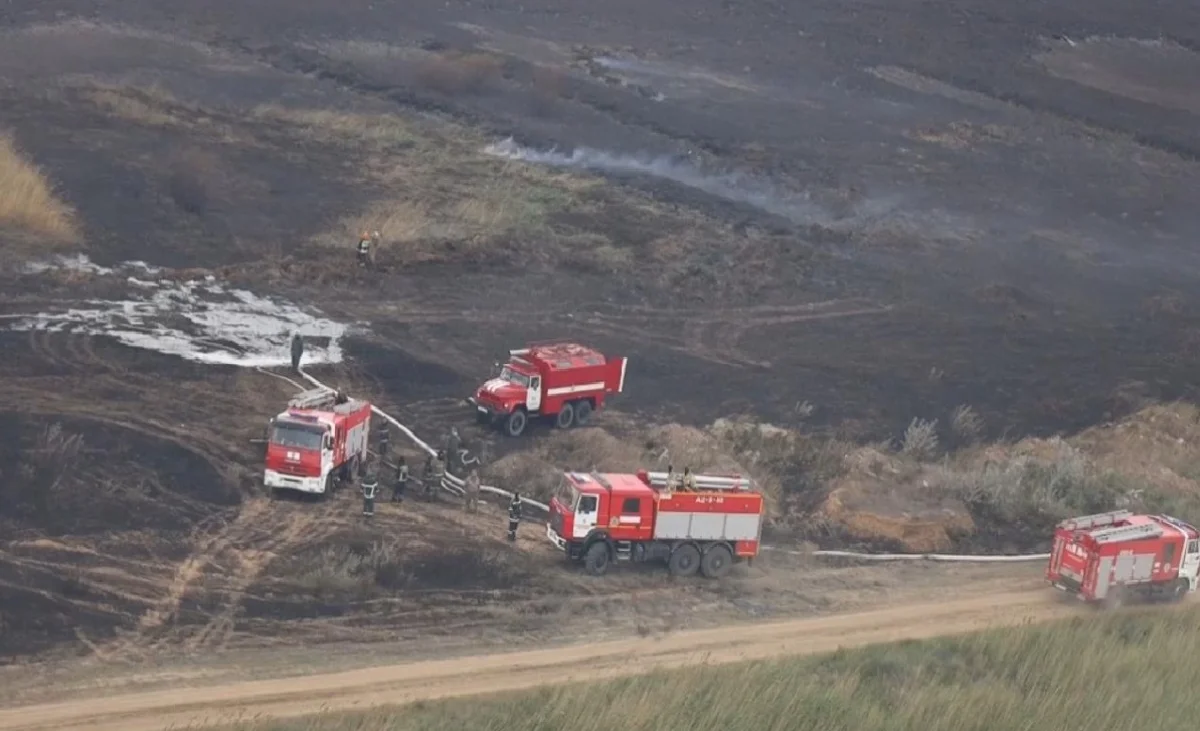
x=321 y=437
x=565 y=382
x=1109 y=557
x=598 y=519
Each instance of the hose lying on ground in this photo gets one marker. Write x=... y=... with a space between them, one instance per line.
x=454 y=485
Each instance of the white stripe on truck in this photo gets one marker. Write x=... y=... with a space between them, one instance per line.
x=575 y=389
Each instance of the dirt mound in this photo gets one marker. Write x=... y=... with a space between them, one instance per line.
x=886 y=499
x=537 y=471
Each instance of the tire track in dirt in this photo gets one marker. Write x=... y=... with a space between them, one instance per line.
x=711 y=336
x=406 y=683
x=242 y=547
x=252 y=551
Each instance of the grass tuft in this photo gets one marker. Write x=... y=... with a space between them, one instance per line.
x=27 y=201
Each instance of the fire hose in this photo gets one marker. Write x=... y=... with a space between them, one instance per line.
x=454 y=485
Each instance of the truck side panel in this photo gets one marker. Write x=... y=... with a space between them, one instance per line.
x=1101 y=577
x=675 y=526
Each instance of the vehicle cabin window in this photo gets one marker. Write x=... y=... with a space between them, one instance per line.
x=1193 y=546
x=587 y=504
x=632 y=506
x=1168 y=553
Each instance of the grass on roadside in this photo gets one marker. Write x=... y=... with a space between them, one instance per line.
x=27 y=200
x=1110 y=673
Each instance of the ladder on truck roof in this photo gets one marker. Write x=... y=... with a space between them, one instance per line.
x=1097 y=520
x=313 y=398
x=1127 y=533
x=704 y=482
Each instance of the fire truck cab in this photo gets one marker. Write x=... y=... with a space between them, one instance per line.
x=597 y=519
x=565 y=382
x=1108 y=557
x=321 y=437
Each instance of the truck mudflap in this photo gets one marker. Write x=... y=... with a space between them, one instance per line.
x=1069 y=589
x=555 y=539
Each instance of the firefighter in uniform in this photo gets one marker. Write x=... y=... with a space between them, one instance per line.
x=514 y=516
x=401 y=484
x=689 y=480
x=672 y=479
x=427 y=476
x=370 y=486
x=366 y=250
x=385 y=440
x=297 y=351
x=471 y=492
x=439 y=473
x=453 y=455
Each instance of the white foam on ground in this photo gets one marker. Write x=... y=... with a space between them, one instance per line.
x=199 y=320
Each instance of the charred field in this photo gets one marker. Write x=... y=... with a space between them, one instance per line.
x=807 y=216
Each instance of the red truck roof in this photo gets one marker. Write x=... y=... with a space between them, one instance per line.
x=617 y=483
x=559 y=356
x=1122 y=525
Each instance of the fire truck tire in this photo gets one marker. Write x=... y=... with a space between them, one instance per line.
x=566 y=416
x=685 y=560
x=583 y=412
x=514 y=425
x=595 y=561
x=1178 y=590
x=716 y=562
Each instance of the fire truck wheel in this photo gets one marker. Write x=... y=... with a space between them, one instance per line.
x=514 y=425
x=1179 y=590
x=566 y=417
x=716 y=562
x=595 y=561
x=685 y=560
x=583 y=412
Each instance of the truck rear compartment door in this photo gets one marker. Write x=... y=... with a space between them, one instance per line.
x=614 y=378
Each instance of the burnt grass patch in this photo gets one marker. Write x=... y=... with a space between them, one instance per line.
x=71 y=475
x=42 y=609
x=177 y=195
x=353 y=569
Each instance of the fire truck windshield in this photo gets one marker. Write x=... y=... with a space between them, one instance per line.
x=567 y=495
x=295 y=435
x=508 y=374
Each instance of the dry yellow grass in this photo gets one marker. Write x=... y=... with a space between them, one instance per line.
x=27 y=201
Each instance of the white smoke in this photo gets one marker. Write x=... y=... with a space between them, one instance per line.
x=734 y=187
x=198 y=320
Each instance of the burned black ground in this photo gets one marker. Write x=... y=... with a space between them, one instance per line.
x=976 y=230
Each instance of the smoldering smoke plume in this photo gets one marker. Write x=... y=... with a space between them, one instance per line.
x=735 y=187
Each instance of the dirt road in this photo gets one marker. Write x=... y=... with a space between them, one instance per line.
x=512 y=671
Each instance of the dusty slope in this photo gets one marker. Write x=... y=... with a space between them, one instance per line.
x=1026 y=601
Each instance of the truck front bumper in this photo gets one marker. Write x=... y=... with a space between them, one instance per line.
x=556 y=539
x=311 y=485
